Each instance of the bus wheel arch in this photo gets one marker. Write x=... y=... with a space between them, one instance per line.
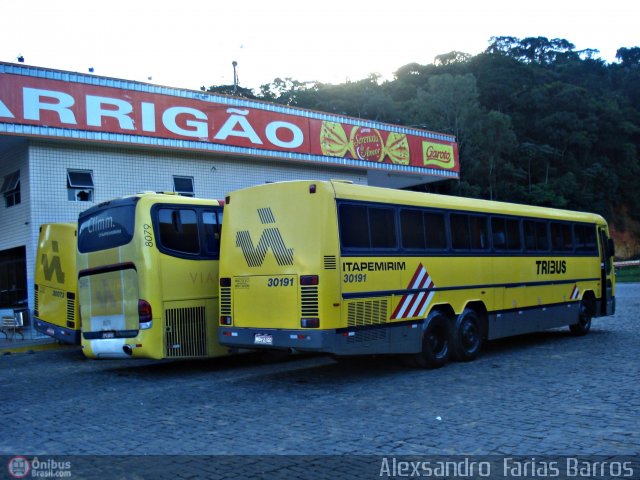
x=468 y=332
x=587 y=312
x=435 y=343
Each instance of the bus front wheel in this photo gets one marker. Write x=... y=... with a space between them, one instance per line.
x=435 y=342
x=584 y=320
x=467 y=336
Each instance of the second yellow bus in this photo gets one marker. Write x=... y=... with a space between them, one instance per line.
x=148 y=277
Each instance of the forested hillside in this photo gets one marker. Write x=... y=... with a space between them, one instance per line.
x=537 y=122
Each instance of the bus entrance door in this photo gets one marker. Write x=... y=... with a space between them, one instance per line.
x=607 y=305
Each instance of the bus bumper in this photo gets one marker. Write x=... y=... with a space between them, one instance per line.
x=62 y=334
x=405 y=338
x=304 y=340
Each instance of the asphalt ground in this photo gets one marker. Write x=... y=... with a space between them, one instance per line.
x=537 y=396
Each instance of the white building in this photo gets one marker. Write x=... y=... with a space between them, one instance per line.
x=70 y=140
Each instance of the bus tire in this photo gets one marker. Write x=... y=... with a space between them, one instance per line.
x=584 y=321
x=467 y=336
x=435 y=342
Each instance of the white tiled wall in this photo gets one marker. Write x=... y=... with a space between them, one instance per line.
x=122 y=171
x=14 y=226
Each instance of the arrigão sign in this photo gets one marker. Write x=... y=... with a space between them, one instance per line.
x=249 y=125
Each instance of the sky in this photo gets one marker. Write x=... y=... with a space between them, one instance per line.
x=192 y=43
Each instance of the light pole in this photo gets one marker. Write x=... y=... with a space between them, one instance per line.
x=235 y=77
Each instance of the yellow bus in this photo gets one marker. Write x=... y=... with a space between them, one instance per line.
x=55 y=309
x=352 y=270
x=148 y=277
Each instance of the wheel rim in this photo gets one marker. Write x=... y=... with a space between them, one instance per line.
x=438 y=341
x=585 y=318
x=469 y=335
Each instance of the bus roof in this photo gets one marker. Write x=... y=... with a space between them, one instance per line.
x=169 y=197
x=350 y=191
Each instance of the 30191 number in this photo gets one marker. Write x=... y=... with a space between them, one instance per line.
x=355 y=277
x=280 y=282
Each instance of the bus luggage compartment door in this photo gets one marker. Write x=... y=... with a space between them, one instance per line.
x=266 y=301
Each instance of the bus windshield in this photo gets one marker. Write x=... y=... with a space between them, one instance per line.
x=105 y=228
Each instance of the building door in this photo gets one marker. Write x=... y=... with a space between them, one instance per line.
x=13 y=278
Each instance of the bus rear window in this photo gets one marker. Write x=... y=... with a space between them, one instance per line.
x=108 y=228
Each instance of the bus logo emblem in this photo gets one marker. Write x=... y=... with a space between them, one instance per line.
x=49 y=268
x=271 y=238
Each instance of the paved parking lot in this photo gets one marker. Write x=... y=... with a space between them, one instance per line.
x=542 y=394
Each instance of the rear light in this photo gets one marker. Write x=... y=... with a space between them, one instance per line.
x=309 y=280
x=225 y=320
x=310 y=322
x=225 y=282
x=145 y=314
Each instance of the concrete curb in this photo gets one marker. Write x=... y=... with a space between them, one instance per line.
x=29 y=346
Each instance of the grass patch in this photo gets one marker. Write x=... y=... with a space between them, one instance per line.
x=628 y=274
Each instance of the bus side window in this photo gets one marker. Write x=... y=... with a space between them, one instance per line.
x=478 y=229
x=382 y=225
x=367 y=227
x=179 y=230
x=514 y=240
x=586 y=239
x=460 y=231
x=436 y=233
x=499 y=232
x=561 y=237
x=469 y=232
x=423 y=230
x=212 y=232
x=506 y=234
x=413 y=229
x=354 y=226
x=536 y=237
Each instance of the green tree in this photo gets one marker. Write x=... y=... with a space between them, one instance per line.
x=536 y=121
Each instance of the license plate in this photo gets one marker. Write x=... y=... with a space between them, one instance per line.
x=108 y=335
x=263 y=339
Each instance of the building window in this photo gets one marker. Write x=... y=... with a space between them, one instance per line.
x=80 y=185
x=11 y=189
x=183 y=186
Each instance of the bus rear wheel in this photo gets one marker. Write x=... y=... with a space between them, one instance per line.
x=435 y=342
x=467 y=336
x=584 y=320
